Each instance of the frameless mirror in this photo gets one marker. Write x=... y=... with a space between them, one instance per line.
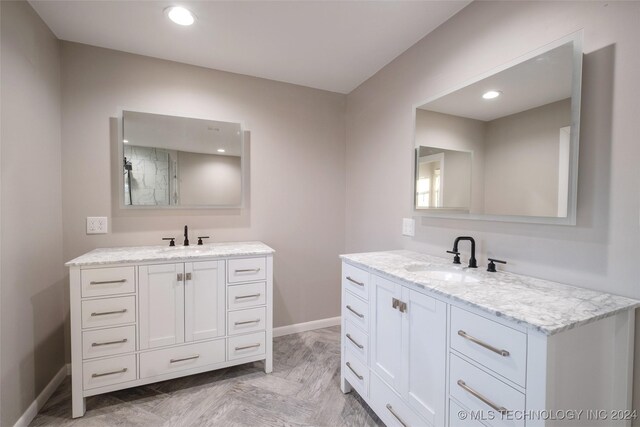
x=170 y=161
x=505 y=146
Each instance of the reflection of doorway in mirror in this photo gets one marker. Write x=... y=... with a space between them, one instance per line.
x=563 y=171
x=429 y=184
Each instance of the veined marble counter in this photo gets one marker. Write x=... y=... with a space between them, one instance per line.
x=137 y=254
x=546 y=306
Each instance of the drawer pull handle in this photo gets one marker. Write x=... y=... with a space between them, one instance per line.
x=360 y=346
x=98 y=344
x=182 y=359
x=397 y=417
x=355 y=312
x=360 y=377
x=249 y=270
x=246 y=322
x=475 y=340
x=105 y=313
x=248 y=296
x=245 y=347
x=121 y=371
x=355 y=281
x=474 y=393
x=107 y=282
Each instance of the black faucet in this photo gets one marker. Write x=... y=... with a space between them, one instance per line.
x=456 y=259
x=186 y=235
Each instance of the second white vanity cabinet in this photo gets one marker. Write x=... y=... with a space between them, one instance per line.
x=481 y=349
x=148 y=314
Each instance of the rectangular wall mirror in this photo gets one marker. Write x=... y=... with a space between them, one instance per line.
x=170 y=161
x=504 y=146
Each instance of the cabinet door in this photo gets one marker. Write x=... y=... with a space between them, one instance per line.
x=161 y=305
x=424 y=329
x=204 y=300
x=386 y=349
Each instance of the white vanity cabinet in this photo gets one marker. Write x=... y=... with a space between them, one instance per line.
x=166 y=314
x=421 y=357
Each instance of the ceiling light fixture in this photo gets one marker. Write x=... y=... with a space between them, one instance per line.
x=126 y=141
x=221 y=150
x=180 y=15
x=491 y=94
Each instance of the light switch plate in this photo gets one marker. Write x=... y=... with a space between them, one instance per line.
x=96 y=225
x=408 y=227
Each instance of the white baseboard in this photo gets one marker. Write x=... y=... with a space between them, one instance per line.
x=307 y=326
x=42 y=398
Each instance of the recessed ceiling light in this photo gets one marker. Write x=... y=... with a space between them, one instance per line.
x=491 y=94
x=126 y=141
x=180 y=15
x=221 y=150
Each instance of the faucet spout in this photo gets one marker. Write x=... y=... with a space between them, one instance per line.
x=472 y=260
x=186 y=235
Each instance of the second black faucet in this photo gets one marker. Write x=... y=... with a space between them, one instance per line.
x=456 y=259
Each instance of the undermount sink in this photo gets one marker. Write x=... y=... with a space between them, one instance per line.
x=441 y=273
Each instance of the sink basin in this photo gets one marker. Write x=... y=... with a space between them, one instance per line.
x=441 y=273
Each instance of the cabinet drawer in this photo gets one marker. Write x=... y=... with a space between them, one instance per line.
x=478 y=390
x=356 y=341
x=458 y=420
x=108 y=281
x=246 y=346
x=247 y=270
x=356 y=280
x=159 y=362
x=245 y=296
x=243 y=321
x=391 y=408
x=108 y=311
x=103 y=372
x=108 y=342
x=356 y=372
x=496 y=346
x=356 y=310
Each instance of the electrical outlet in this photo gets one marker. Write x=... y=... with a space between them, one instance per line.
x=408 y=227
x=96 y=225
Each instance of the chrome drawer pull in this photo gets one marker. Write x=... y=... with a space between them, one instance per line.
x=107 y=282
x=98 y=344
x=474 y=393
x=104 y=313
x=360 y=377
x=465 y=335
x=246 y=322
x=244 y=347
x=355 y=281
x=397 y=417
x=121 y=371
x=248 y=296
x=355 y=312
x=360 y=346
x=182 y=359
x=248 y=270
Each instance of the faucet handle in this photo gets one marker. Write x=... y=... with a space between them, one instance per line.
x=200 y=240
x=172 y=243
x=456 y=258
x=492 y=267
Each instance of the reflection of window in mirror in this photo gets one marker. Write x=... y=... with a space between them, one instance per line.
x=429 y=183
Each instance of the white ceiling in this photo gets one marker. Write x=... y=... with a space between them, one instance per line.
x=330 y=45
x=538 y=81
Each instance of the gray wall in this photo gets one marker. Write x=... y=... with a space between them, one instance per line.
x=297 y=172
x=32 y=315
x=209 y=179
x=602 y=250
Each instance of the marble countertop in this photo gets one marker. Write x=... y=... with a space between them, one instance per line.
x=546 y=306
x=136 y=254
